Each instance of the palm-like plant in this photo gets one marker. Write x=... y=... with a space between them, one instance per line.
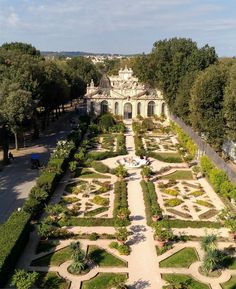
x=79 y=258
x=211 y=260
x=213 y=257
x=78 y=266
x=208 y=242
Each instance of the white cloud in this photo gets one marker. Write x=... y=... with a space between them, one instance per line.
x=13 y=19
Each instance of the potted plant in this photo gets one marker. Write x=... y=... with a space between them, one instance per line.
x=123 y=213
x=162 y=235
x=156 y=214
x=146 y=173
x=122 y=235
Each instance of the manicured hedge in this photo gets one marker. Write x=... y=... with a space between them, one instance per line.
x=138 y=143
x=185 y=141
x=88 y=222
x=191 y=224
x=14 y=235
x=121 y=146
x=93 y=155
x=150 y=201
x=218 y=179
x=121 y=197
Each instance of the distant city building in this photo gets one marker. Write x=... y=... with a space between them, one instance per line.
x=124 y=95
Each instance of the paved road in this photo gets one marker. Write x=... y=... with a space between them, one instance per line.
x=17 y=179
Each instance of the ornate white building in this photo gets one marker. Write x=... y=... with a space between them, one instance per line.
x=124 y=95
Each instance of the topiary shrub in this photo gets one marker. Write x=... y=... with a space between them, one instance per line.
x=100 y=167
x=93 y=237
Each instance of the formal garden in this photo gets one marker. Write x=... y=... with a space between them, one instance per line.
x=105 y=220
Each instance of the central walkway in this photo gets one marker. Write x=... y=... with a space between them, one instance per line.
x=143 y=264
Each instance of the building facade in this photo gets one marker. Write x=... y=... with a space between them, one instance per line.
x=124 y=95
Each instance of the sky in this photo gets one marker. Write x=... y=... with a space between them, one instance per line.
x=118 y=26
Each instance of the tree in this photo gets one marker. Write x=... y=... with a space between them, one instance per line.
x=181 y=105
x=229 y=105
x=171 y=60
x=106 y=121
x=24 y=48
x=23 y=279
x=16 y=106
x=206 y=104
x=85 y=70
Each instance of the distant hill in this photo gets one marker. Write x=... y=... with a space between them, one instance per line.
x=78 y=53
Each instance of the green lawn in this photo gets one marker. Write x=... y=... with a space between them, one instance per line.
x=231 y=284
x=179 y=175
x=86 y=173
x=51 y=280
x=181 y=278
x=105 y=259
x=166 y=157
x=54 y=259
x=102 y=281
x=181 y=259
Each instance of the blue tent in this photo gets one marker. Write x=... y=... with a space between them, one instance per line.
x=34 y=156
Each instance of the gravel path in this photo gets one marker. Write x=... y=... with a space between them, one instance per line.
x=143 y=269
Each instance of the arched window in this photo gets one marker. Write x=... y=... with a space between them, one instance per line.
x=116 y=108
x=104 y=107
x=151 y=108
x=139 y=108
